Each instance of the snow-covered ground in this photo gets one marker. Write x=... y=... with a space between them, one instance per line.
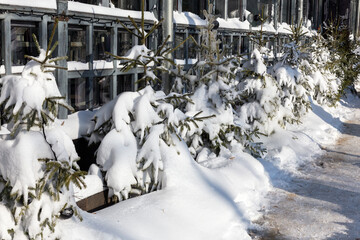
x=321 y=200
x=222 y=198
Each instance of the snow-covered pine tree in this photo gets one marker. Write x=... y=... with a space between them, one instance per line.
x=259 y=92
x=322 y=84
x=292 y=82
x=37 y=160
x=211 y=83
x=136 y=128
x=344 y=62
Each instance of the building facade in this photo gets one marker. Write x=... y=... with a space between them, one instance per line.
x=89 y=28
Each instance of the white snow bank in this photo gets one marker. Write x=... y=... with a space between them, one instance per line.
x=197 y=203
x=300 y=144
x=116 y=12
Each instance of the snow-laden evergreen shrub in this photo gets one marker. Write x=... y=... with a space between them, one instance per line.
x=135 y=128
x=260 y=108
x=293 y=85
x=344 y=61
x=322 y=84
x=211 y=83
x=37 y=161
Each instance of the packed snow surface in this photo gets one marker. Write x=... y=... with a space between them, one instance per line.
x=320 y=200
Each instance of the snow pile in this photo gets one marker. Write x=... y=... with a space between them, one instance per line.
x=196 y=203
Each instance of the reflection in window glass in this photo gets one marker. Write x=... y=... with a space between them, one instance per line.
x=22 y=42
x=235 y=45
x=77 y=44
x=191 y=6
x=77 y=95
x=128 y=4
x=179 y=52
x=220 y=8
x=101 y=44
x=124 y=83
x=101 y=90
x=286 y=13
x=245 y=44
x=1 y=60
x=227 y=45
x=192 y=46
x=233 y=9
x=124 y=43
x=94 y=2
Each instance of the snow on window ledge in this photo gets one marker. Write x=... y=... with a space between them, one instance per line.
x=48 y=4
x=107 y=11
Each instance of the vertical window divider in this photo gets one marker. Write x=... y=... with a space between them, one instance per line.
x=114 y=50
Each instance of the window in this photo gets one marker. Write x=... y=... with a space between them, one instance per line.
x=94 y=2
x=192 y=46
x=101 y=90
x=245 y=44
x=179 y=52
x=77 y=93
x=226 y=41
x=77 y=44
x=220 y=8
x=191 y=6
x=235 y=45
x=124 y=43
x=128 y=4
x=22 y=42
x=233 y=9
x=124 y=83
x=1 y=52
x=101 y=44
x=286 y=12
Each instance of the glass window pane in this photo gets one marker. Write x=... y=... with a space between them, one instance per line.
x=191 y=6
x=227 y=45
x=128 y=4
x=179 y=52
x=245 y=44
x=101 y=44
x=233 y=9
x=101 y=90
x=192 y=46
x=124 y=83
x=220 y=8
x=77 y=44
x=77 y=95
x=1 y=52
x=94 y=2
x=235 y=45
x=124 y=42
x=22 y=42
